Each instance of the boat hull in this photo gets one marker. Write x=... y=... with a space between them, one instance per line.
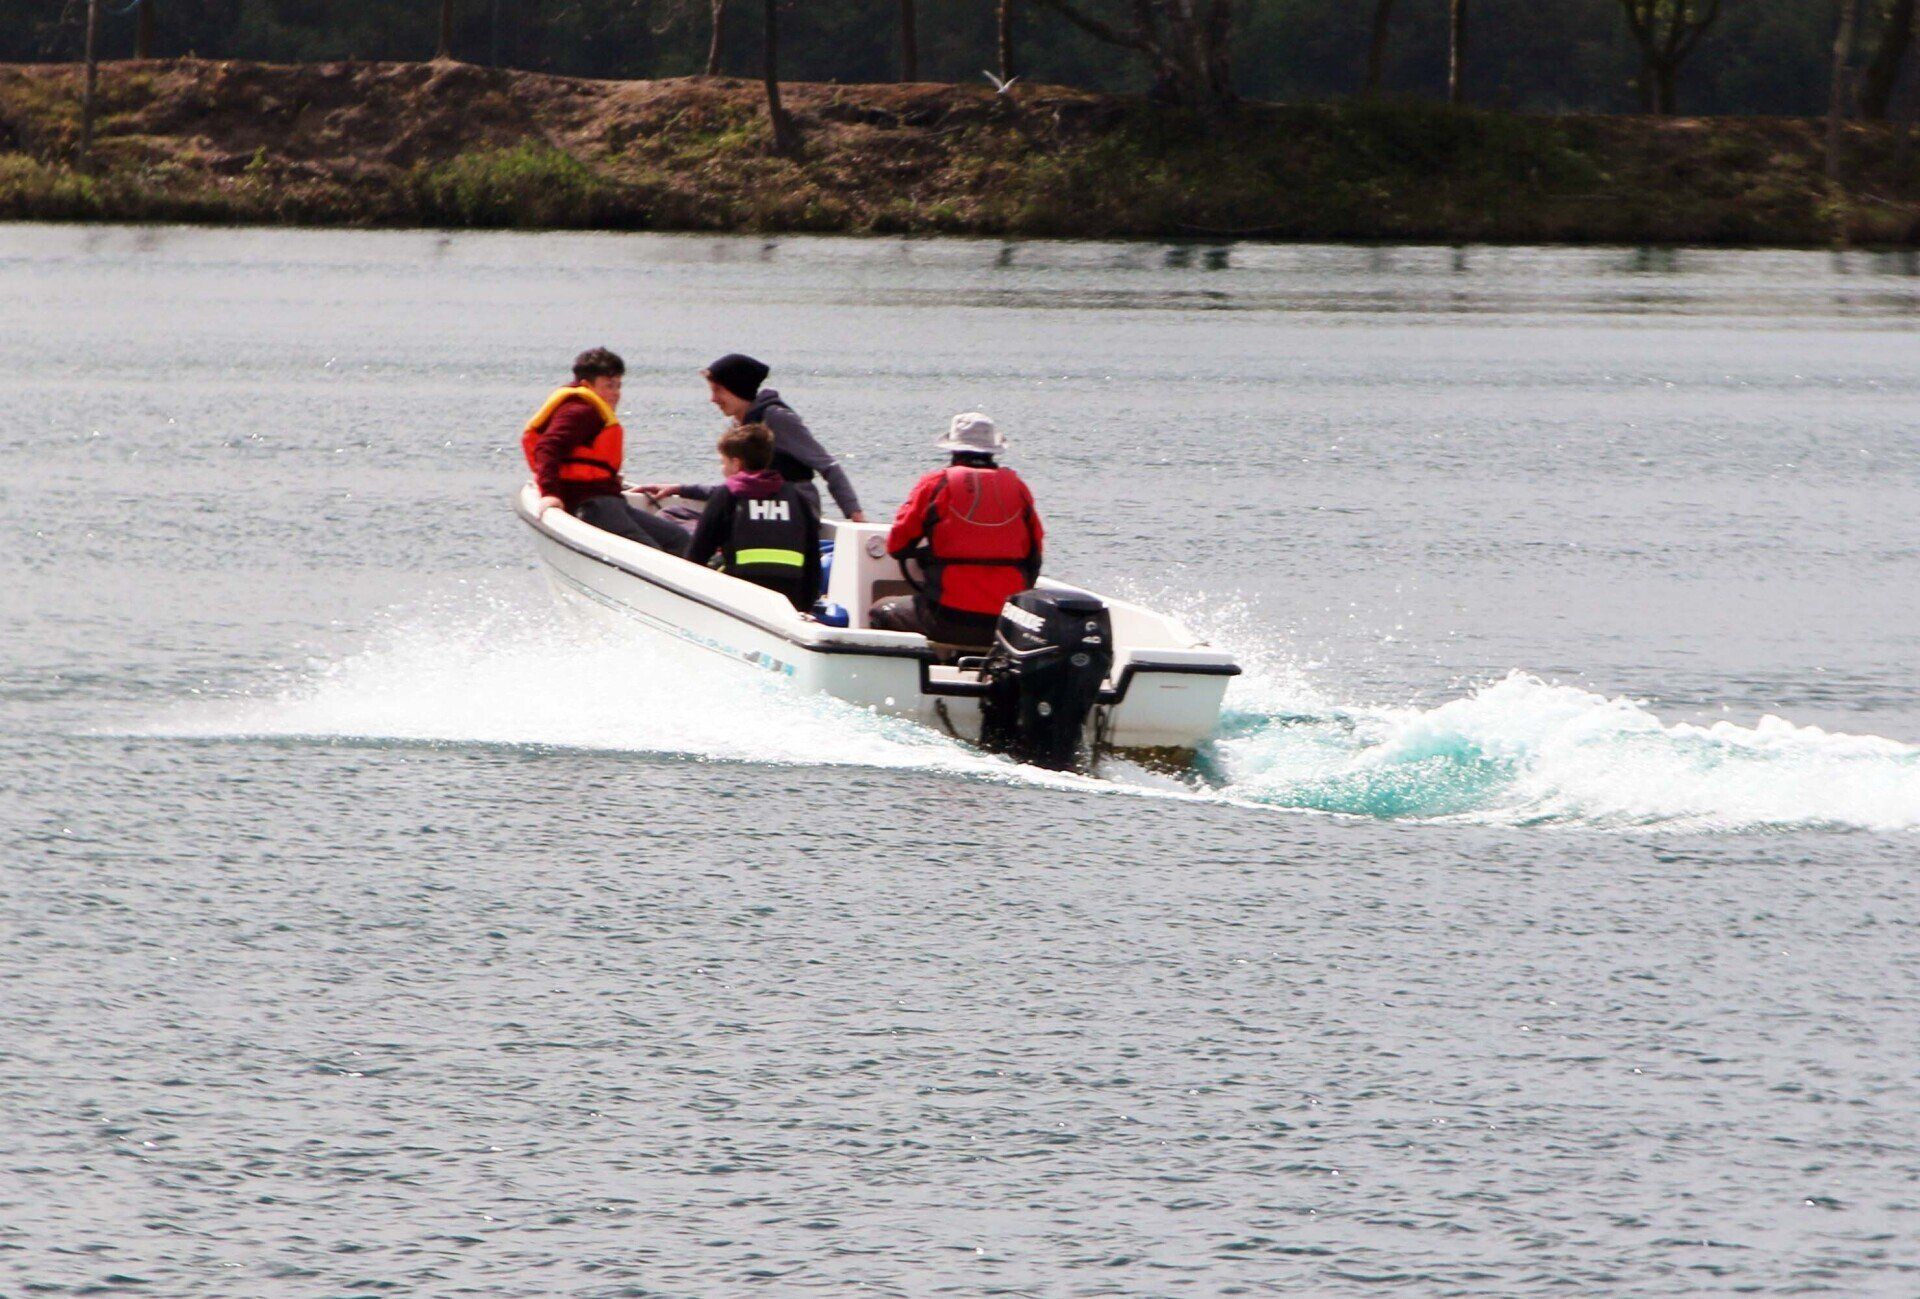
x=1160 y=703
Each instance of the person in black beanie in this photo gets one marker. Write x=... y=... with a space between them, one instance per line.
x=734 y=385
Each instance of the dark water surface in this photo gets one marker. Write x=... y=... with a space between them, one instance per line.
x=1543 y=920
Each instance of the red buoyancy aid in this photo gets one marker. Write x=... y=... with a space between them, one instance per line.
x=981 y=539
x=598 y=459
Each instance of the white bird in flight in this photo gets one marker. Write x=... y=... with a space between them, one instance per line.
x=1000 y=87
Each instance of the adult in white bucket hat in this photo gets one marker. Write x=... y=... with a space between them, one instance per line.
x=973 y=432
x=968 y=537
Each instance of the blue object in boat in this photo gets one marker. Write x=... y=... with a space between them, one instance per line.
x=830 y=614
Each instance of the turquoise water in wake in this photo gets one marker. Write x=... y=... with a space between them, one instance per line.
x=1529 y=752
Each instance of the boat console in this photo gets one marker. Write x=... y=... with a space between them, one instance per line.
x=863 y=571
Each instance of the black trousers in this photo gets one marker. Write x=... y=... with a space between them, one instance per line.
x=934 y=621
x=613 y=514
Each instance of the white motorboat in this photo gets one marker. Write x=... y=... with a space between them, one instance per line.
x=1140 y=683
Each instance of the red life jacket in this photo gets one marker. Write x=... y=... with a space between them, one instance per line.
x=977 y=541
x=597 y=460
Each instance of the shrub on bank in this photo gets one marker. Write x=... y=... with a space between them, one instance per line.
x=528 y=185
x=48 y=190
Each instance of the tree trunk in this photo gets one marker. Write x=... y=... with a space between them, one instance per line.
x=786 y=136
x=1883 y=69
x=719 y=12
x=1006 y=40
x=1456 y=51
x=1178 y=79
x=909 y=43
x=1666 y=34
x=1186 y=43
x=1218 y=42
x=446 y=30
x=1837 y=96
x=1377 y=46
x=93 y=82
x=143 y=31
x=1666 y=99
x=1191 y=67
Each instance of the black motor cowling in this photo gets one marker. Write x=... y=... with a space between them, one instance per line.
x=1051 y=654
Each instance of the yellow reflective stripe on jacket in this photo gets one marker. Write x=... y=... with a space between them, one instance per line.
x=792 y=558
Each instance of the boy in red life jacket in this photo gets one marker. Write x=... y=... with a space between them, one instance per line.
x=574 y=444
x=975 y=534
x=764 y=528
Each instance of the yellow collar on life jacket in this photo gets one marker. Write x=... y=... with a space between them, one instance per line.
x=588 y=395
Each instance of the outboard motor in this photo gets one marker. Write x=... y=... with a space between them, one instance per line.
x=1051 y=654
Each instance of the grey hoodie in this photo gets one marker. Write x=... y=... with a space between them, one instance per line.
x=797 y=456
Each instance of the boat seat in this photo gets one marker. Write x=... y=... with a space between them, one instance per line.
x=886 y=588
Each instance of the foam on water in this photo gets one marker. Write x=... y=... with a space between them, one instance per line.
x=1525 y=751
x=496 y=672
x=1516 y=751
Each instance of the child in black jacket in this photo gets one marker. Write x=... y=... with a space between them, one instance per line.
x=764 y=530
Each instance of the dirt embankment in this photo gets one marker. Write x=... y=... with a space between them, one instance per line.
x=452 y=144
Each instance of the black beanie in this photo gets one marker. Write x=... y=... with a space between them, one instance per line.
x=739 y=375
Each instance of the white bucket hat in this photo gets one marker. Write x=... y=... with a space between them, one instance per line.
x=973 y=432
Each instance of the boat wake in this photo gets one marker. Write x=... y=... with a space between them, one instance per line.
x=497 y=672
x=1524 y=751
x=1517 y=751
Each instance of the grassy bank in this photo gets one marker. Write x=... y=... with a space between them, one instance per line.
x=451 y=144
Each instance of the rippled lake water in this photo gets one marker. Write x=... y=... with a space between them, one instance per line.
x=1542 y=920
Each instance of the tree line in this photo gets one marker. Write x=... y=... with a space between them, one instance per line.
x=1655 y=56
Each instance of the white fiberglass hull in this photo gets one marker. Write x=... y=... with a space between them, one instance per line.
x=1164 y=694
